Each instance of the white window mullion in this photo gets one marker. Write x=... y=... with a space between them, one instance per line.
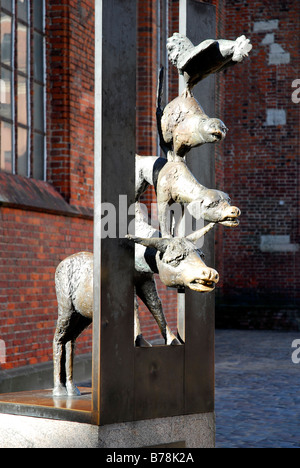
x=13 y=100
x=29 y=65
x=45 y=90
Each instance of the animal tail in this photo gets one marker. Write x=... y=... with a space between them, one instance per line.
x=159 y=111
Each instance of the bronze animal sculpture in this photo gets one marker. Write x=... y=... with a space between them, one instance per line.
x=184 y=125
x=210 y=56
x=177 y=261
x=174 y=183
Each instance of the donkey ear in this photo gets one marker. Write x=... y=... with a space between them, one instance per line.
x=201 y=233
x=154 y=242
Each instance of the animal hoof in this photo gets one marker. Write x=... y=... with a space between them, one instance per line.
x=72 y=390
x=59 y=391
x=175 y=342
x=179 y=338
x=141 y=342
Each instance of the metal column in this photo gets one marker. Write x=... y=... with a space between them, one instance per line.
x=140 y=383
x=115 y=114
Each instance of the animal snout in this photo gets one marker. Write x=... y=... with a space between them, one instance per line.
x=209 y=274
x=218 y=134
x=233 y=212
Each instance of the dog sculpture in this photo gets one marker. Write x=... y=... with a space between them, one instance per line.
x=174 y=183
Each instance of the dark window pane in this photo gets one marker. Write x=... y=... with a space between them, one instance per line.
x=38 y=57
x=7 y=4
x=38 y=102
x=38 y=157
x=22 y=151
x=38 y=14
x=23 y=13
x=6 y=41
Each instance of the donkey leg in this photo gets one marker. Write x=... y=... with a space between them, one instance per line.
x=65 y=311
x=72 y=390
x=139 y=340
x=78 y=323
x=147 y=291
x=59 y=356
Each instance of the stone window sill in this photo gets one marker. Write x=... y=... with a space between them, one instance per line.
x=35 y=195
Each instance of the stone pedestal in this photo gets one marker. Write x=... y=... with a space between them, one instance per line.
x=193 y=431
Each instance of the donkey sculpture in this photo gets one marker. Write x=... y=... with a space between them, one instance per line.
x=178 y=262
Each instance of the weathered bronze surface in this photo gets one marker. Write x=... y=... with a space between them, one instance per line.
x=168 y=380
x=131 y=383
x=159 y=381
x=177 y=261
x=43 y=404
x=115 y=143
x=174 y=183
x=210 y=56
x=74 y=292
x=182 y=125
x=185 y=125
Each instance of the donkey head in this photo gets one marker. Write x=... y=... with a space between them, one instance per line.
x=180 y=263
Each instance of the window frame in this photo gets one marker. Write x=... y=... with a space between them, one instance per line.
x=10 y=69
x=32 y=81
x=27 y=76
x=43 y=83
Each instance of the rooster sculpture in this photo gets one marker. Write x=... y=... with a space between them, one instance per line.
x=210 y=56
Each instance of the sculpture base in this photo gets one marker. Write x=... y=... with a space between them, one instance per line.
x=192 y=431
x=42 y=404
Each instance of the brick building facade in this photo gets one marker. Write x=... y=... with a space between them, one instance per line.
x=259 y=261
x=46 y=204
x=45 y=218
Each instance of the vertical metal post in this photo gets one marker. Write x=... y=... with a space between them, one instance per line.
x=139 y=383
x=115 y=95
x=198 y=22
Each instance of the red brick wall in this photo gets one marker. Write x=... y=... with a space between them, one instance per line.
x=261 y=161
x=32 y=243
x=146 y=77
x=58 y=99
x=70 y=49
x=31 y=246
